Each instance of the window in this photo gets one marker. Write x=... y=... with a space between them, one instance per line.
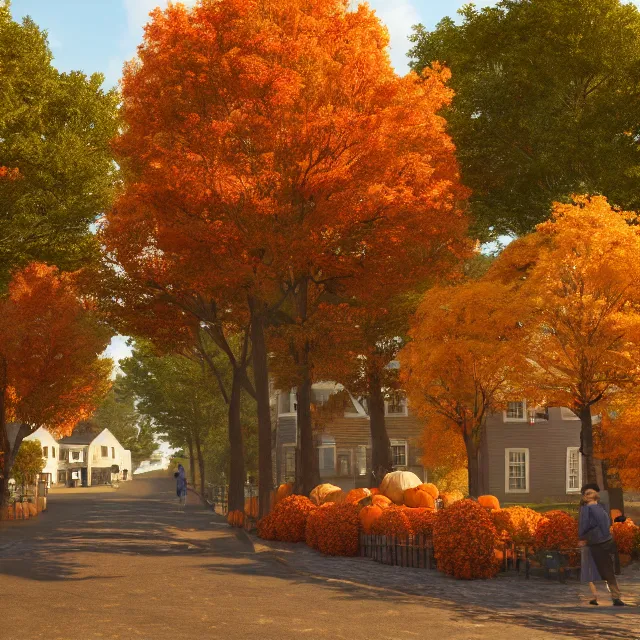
x=567 y=414
x=344 y=463
x=516 y=411
x=399 y=453
x=516 y=470
x=361 y=461
x=396 y=406
x=289 y=463
x=53 y=452
x=541 y=413
x=75 y=455
x=105 y=452
x=327 y=459
x=45 y=452
x=113 y=452
x=574 y=469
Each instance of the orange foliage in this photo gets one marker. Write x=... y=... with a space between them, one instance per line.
x=51 y=343
x=516 y=524
x=355 y=495
x=421 y=521
x=625 y=533
x=290 y=518
x=451 y=497
x=393 y=522
x=464 y=540
x=267 y=527
x=557 y=530
x=334 y=529
x=618 y=440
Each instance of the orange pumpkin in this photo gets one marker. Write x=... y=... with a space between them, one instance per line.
x=355 y=495
x=375 y=491
x=251 y=507
x=18 y=508
x=431 y=489
x=368 y=515
x=416 y=498
x=489 y=502
x=381 y=501
x=615 y=513
x=284 y=491
x=326 y=493
x=33 y=510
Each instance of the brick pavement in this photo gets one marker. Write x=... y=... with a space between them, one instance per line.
x=537 y=602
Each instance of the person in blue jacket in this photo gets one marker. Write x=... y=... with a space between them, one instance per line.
x=594 y=527
x=181 y=485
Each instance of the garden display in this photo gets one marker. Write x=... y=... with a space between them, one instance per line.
x=394 y=484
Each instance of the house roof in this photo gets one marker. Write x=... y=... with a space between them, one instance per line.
x=79 y=438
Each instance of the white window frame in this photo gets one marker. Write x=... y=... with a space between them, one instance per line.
x=361 y=450
x=400 y=443
x=404 y=414
x=45 y=452
x=525 y=415
x=567 y=414
x=527 y=462
x=320 y=469
x=574 y=489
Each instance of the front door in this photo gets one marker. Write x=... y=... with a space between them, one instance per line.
x=83 y=476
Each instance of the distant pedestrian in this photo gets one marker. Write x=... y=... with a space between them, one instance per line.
x=588 y=570
x=594 y=528
x=181 y=485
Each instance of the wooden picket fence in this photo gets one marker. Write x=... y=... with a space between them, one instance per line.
x=406 y=551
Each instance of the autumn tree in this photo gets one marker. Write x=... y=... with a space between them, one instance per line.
x=576 y=280
x=51 y=372
x=546 y=104
x=463 y=360
x=55 y=130
x=270 y=149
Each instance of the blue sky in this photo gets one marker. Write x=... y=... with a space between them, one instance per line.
x=100 y=35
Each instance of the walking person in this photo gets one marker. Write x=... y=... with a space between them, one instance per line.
x=588 y=570
x=181 y=485
x=594 y=528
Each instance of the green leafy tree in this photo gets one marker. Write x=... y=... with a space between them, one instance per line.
x=182 y=402
x=28 y=463
x=546 y=104
x=56 y=166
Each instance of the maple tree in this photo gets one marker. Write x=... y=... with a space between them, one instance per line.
x=465 y=354
x=56 y=168
x=272 y=155
x=576 y=280
x=51 y=372
x=28 y=463
x=545 y=104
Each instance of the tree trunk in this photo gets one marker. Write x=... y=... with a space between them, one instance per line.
x=192 y=461
x=261 y=379
x=307 y=473
x=473 y=466
x=9 y=454
x=198 y=444
x=236 y=466
x=381 y=462
x=586 y=444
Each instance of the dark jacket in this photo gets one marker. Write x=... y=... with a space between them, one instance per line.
x=594 y=524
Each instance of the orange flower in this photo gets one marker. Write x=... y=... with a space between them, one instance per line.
x=558 y=531
x=624 y=533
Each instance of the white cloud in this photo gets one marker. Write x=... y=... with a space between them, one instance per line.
x=398 y=16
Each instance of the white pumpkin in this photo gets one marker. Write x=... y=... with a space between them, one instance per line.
x=394 y=484
x=326 y=493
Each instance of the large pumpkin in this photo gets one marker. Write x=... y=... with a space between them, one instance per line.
x=431 y=489
x=326 y=493
x=374 y=491
x=416 y=498
x=489 y=502
x=284 y=491
x=251 y=507
x=355 y=495
x=394 y=484
x=368 y=515
x=235 y=518
x=381 y=501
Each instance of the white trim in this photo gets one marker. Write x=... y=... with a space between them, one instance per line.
x=525 y=415
x=506 y=469
x=400 y=443
x=567 y=414
x=577 y=488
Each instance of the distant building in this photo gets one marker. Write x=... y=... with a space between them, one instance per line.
x=50 y=451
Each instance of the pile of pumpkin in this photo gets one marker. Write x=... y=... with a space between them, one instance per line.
x=19 y=511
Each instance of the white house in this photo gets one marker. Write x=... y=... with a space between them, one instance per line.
x=50 y=450
x=93 y=459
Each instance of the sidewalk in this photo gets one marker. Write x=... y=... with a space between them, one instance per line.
x=506 y=598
